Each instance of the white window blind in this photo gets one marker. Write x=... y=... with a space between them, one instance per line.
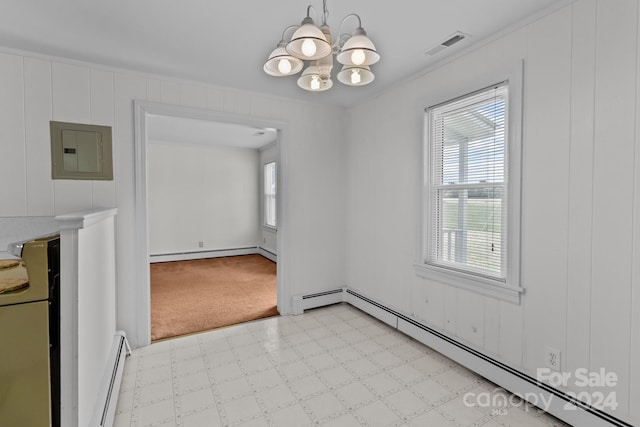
x=270 y=194
x=467 y=183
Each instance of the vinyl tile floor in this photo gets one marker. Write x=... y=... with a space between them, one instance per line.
x=333 y=366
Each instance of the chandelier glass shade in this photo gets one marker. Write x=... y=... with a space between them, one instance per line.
x=308 y=42
x=280 y=63
x=312 y=45
x=358 y=50
x=355 y=75
x=312 y=80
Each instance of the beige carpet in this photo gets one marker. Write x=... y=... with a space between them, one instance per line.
x=198 y=295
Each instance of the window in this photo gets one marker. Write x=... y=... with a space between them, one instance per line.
x=466 y=205
x=270 y=194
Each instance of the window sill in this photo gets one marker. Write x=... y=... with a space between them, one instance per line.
x=469 y=282
x=270 y=228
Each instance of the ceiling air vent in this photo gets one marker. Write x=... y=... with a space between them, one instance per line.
x=453 y=39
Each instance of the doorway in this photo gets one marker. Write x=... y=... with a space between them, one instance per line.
x=144 y=114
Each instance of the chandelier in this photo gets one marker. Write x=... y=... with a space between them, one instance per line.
x=314 y=45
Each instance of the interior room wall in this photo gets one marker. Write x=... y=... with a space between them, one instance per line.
x=268 y=239
x=37 y=89
x=197 y=193
x=580 y=235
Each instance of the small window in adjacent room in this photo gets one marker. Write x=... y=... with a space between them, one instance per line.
x=270 y=194
x=466 y=204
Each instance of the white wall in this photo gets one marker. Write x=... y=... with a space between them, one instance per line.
x=206 y=194
x=268 y=236
x=581 y=199
x=36 y=90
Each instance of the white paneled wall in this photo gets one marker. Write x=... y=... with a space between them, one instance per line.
x=634 y=370
x=12 y=135
x=38 y=89
x=546 y=183
x=579 y=280
x=37 y=94
x=615 y=138
x=580 y=199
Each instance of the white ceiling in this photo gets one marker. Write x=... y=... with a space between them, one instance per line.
x=226 y=42
x=203 y=132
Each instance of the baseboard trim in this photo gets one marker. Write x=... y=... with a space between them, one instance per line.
x=219 y=253
x=496 y=371
x=268 y=254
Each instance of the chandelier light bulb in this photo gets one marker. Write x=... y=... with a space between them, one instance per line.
x=355 y=77
x=284 y=66
x=308 y=48
x=358 y=57
x=315 y=83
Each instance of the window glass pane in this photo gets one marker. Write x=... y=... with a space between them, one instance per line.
x=470 y=142
x=270 y=194
x=467 y=146
x=471 y=228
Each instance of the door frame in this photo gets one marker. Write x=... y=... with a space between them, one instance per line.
x=142 y=109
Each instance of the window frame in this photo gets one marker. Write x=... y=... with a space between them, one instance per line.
x=509 y=288
x=265 y=196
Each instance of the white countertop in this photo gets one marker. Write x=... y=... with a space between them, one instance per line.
x=20 y=229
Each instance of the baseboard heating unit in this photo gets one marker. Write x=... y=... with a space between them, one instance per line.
x=104 y=413
x=561 y=405
x=318 y=299
x=216 y=253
